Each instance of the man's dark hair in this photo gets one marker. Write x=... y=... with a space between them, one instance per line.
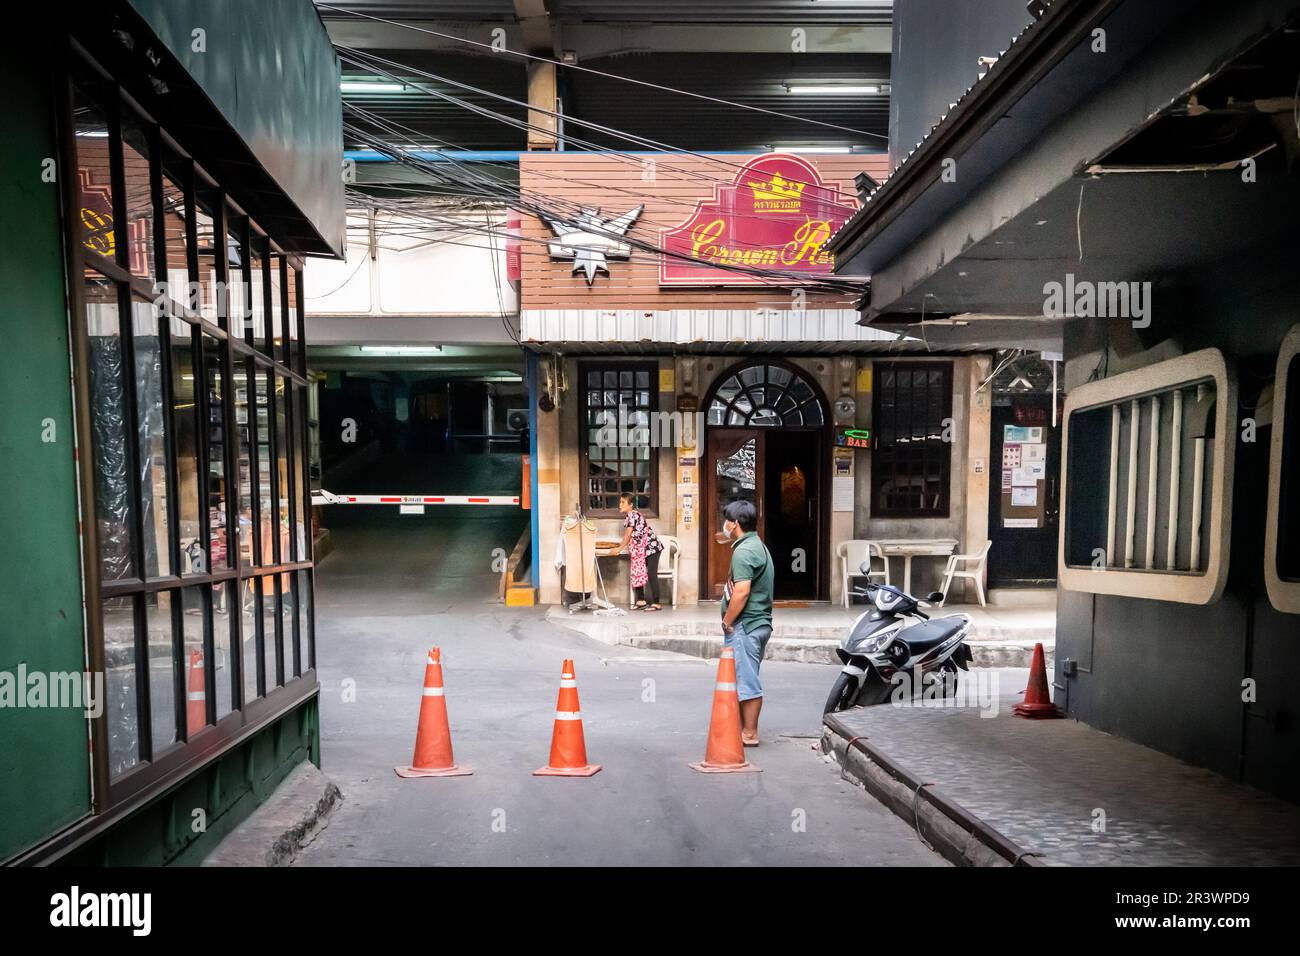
x=743 y=513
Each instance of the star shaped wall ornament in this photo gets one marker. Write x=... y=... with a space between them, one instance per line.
x=590 y=240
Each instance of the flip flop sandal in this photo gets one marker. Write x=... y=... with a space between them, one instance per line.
x=653 y=607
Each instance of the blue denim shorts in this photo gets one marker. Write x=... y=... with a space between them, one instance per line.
x=748 y=647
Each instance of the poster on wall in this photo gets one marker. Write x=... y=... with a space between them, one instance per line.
x=775 y=215
x=842 y=493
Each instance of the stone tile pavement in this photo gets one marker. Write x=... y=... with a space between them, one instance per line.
x=1045 y=783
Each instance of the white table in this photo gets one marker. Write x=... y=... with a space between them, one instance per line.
x=907 y=549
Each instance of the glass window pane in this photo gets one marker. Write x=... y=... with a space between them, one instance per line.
x=305 y=619
x=237 y=293
x=212 y=300
x=270 y=639
x=151 y=439
x=194 y=556
x=282 y=468
x=257 y=294
x=277 y=308
x=301 y=511
x=162 y=670
x=119 y=684
x=137 y=164
x=193 y=621
x=223 y=597
x=114 y=498
x=263 y=548
x=175 y=211
x=219 y=550
x=295 y=346
x=94 y=174
x=248 y=623
x=293 y=658
x=244 y=451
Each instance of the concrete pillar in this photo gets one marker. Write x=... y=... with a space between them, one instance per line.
x=978 y=466
x=542 y=93
x=548 y=504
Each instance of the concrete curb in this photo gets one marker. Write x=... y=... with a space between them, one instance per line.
x=1016 y=653
x=954 y=833
x=287 y=821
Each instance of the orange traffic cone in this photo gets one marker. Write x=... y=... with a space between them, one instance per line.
x=725 y=752
x=568 y=746
x=1038 y=702
x=433 y=756
x=196 y=698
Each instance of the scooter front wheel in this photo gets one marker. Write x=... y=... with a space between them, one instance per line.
x=842 y=693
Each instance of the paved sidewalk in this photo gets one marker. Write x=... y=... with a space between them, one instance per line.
x=1044 y=784
x=1002 y=636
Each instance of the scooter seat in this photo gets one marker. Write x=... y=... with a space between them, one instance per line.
x=924 y=636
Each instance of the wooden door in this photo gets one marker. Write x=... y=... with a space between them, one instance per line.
x=735 y=463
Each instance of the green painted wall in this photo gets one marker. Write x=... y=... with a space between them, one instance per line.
x=44 y=758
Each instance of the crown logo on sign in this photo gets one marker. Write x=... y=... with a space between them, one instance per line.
x=778 y=188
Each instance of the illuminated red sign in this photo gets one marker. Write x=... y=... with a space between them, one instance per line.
x=774 y=216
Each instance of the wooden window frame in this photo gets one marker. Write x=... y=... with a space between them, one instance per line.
x=885 y=458
x=651 y=510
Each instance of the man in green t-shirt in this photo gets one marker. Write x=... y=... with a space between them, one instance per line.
x=747 y=610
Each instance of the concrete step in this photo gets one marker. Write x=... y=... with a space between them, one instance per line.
x=1014 y=653
x=1023 y=597
x=288 y=820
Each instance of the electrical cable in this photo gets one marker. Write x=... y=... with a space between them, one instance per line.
x=586 y=69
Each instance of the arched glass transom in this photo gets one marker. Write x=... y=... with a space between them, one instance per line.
x=765 y=395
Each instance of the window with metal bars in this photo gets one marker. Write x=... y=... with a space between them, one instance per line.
x=617 y=403
x=1148 y=481
x=200 y=562
x=1141 y=467
x=911 y=463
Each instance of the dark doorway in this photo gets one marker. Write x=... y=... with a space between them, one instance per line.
x=791 y=507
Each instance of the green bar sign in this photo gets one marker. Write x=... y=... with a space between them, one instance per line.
x=853 y=437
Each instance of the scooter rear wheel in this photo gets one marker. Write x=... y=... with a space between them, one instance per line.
x=842 y=693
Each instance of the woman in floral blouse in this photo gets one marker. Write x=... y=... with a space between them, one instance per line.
x=640 y=541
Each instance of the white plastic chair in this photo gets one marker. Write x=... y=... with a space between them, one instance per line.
x=853 y=554
x=667 y=569
x=973 y=572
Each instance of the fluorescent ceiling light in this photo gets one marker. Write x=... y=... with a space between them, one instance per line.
x=820 y=149
x=369 y=86
x=401 y=349
x=833 y=89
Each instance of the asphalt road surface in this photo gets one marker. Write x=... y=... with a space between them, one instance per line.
x=396 y=585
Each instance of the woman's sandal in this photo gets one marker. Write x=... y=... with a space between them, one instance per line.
x=640 y=607
x=655 y=607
